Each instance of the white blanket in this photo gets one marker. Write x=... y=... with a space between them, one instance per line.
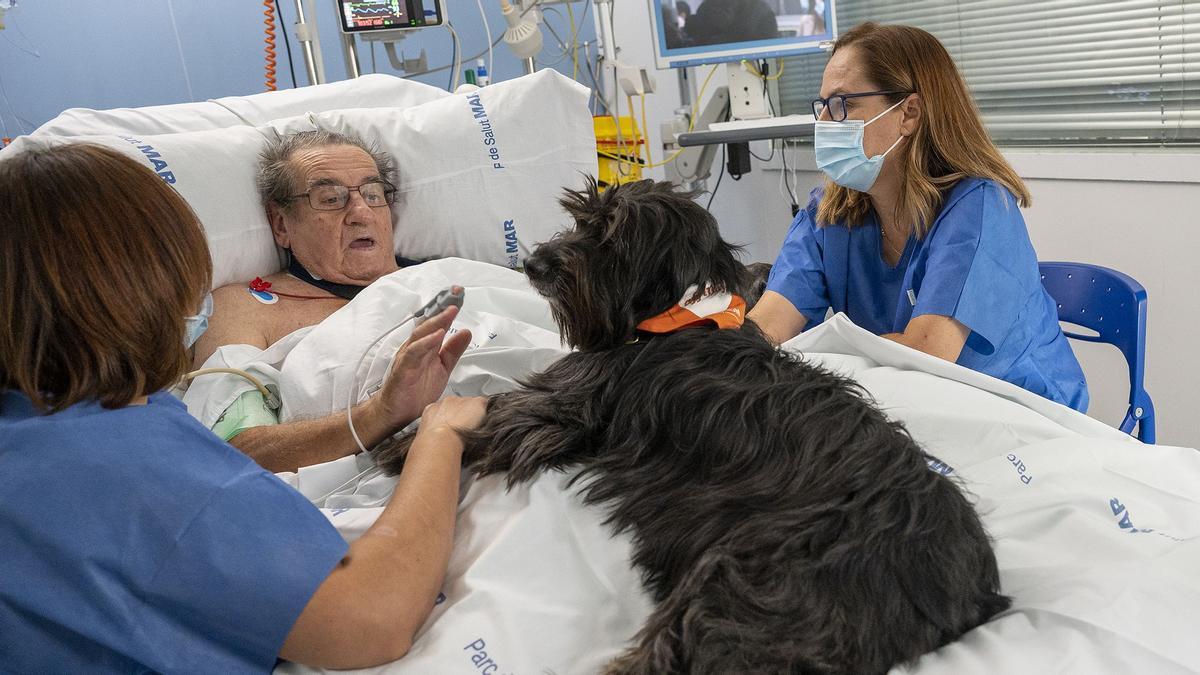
x=1096 y=534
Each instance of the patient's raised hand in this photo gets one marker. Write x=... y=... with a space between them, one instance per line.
x=422 y=368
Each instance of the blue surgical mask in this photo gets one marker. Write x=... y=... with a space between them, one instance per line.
x=840 y=154
x=197 y=324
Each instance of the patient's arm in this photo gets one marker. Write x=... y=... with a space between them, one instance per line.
x=370 y=607
x=287 y=447
x=417 y=378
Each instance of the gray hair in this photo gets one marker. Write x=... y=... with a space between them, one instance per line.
x=277 y=179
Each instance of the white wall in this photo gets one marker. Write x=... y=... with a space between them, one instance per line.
x=1135 y=211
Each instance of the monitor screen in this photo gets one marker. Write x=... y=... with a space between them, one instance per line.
x=367 y=15
x=695 y=32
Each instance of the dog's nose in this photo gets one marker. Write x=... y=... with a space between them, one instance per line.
x=536 y=267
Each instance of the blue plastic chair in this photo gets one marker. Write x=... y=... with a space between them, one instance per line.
x=1114 y=305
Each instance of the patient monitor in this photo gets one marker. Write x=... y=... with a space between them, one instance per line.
x=387 y=21
x=360 y=16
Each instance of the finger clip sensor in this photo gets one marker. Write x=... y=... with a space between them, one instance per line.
x=445 y=298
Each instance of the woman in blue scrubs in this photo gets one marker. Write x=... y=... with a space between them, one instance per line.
x=917 y=235
x=131 y=538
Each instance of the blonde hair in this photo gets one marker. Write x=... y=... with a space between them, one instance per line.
x=949 y=143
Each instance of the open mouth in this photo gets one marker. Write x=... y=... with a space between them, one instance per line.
x=362 y=244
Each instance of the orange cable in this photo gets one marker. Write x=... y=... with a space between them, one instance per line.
x=269 y=21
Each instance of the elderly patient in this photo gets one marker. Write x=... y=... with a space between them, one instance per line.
x=328 y=198
x=133 y=539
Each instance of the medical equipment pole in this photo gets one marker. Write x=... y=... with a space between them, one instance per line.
x=350 y=51
x=306 y=35
x=687 y=87
x=608 y=47
x=604 y=12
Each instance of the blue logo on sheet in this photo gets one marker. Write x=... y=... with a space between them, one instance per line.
x=511 y=245
x=485 y=127
x=1125 y=521
x=156 y=161
x=475 y=344
x=1022 y=470
x=941 y=467
x=479 y=657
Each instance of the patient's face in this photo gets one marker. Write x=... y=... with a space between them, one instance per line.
x=349 y=246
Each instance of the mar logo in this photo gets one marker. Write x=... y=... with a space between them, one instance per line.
x=157 y=163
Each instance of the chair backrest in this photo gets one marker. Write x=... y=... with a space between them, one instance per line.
x=1114 y=305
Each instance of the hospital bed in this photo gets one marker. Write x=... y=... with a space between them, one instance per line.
x=1096 y=534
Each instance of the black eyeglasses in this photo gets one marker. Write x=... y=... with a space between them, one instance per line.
x=375 y=193
x=836 y=105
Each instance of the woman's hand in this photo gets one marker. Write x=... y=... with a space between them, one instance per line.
x=422 y=368
x=453 y=413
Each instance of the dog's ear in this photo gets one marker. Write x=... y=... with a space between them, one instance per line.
x=759 y=273
x=710 y=259
x=589 y=207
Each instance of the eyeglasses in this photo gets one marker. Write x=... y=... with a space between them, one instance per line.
x=375 y=193
x=836 y=105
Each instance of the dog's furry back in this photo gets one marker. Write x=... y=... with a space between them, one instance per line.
x=782 y=523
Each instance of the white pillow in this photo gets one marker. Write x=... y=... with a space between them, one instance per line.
x=480 y=173
x=480 y=188
x=214 y=172
x=368 y=91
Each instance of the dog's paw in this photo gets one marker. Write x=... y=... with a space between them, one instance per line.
x=392 y=452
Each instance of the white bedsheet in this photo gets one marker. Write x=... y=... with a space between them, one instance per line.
x=1096 y=534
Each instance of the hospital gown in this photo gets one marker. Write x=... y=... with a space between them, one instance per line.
x=976 y=265
x=133 y=539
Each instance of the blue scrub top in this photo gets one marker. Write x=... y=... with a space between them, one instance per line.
x=134 y=540
x=976 y=264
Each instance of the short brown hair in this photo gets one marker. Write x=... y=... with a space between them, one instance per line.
x=950 y=142
x=102 y=263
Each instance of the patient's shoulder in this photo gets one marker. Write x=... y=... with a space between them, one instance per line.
x=233 y=294
x=237 y=318
x=237 y=302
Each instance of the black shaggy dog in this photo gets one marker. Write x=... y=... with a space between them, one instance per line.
x=780 y=521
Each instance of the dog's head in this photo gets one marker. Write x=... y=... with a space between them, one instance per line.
x=633 y=252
